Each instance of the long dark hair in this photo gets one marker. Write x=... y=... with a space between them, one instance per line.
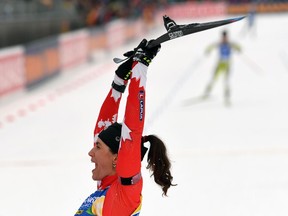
x=158 y=162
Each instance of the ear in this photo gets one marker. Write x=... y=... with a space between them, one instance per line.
x=115 y=157
x=114 y=161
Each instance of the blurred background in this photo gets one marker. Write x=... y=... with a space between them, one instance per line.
x=43 y=30
x=56 y=68
x=23 y=21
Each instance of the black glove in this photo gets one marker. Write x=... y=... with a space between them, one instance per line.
x=141 y=54
x=144 y=54
x=124 y=70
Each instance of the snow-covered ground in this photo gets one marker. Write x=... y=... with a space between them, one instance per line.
x=226 y=160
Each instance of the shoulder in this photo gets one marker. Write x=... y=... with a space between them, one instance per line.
x=123 y=198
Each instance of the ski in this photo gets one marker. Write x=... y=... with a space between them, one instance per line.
x=176 y=31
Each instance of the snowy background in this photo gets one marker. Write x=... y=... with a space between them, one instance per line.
x=226 y=160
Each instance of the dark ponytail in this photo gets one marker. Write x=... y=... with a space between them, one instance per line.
x=158 y=162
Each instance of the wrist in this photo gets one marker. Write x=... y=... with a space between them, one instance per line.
x=118 y=80
x=119 y=84
x=142 y=59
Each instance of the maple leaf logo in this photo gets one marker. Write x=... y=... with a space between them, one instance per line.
x=115 y=94
x=140 y=72
x=125 y=132
x=107 y=123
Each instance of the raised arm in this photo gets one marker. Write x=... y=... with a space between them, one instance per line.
x=129 y=155
x=109 y=111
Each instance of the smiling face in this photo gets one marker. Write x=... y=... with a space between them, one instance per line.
x=103 y=159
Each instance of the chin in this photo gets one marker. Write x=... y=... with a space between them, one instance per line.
x=96 y=178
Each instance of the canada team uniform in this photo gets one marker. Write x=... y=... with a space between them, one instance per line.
x=121 y=194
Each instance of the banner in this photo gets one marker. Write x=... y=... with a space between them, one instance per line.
x=11 y=70
x=73 y=48
x=42 y=61
x=115 y=33
x=98 y=40
x=194 y=10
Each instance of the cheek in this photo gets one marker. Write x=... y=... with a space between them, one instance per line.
x=106 y=162
x=103 y=160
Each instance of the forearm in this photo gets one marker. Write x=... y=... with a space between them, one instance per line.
x=109 y=111
x=129 y=155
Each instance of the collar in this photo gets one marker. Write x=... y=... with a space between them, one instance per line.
x=107 y=181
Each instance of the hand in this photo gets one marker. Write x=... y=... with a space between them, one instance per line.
x=131 y=53
x=124 y=70
x=145 y=54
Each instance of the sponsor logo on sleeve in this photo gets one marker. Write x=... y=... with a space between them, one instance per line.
x=141 y=104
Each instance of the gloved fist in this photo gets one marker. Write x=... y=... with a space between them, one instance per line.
x=144 y=54
x=131 y=53
x=141 y=54
x=124 y=70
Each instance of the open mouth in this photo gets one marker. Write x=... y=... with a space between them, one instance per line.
x=95 y=165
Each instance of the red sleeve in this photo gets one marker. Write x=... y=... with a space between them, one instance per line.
x=129 y=155
x=108 y=112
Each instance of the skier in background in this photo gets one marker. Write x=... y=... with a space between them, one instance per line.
x=119 y=148
x=223 y=66
x=252 y=17
x=250 y=25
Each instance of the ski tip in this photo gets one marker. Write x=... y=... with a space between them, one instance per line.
x=235 y=19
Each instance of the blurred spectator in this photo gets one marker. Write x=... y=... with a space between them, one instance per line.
x=35 y=19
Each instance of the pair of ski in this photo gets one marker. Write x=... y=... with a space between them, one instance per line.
x=176 y=31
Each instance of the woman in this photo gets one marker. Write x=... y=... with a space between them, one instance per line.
x=118 y=148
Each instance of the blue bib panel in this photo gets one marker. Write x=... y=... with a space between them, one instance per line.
x=225 y=51
x=86 y=207
x=97 y=198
